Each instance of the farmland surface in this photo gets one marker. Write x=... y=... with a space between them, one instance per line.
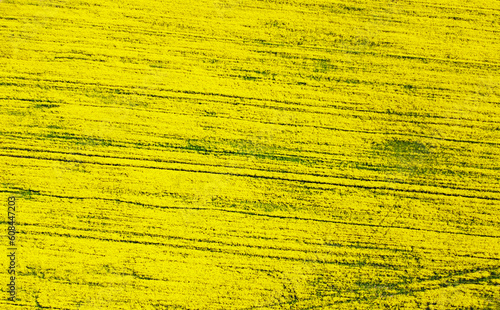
x=251 y=154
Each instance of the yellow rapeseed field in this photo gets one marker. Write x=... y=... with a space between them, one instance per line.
x=250 y=154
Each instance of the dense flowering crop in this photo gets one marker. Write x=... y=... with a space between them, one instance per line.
x=237 y=154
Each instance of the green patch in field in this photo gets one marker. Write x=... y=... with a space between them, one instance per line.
x=265 y=72
x=48 y=106
x=212 y=60
x=36 y=272
x=249 y=78
x=251 y=205
x=116 y=97
x=411 y=158
x=409 y=87
x=323 y=65
x=339 y=8
x=80 y=140
x=21 y=192
x=351 y=9
x=28 y=193
x=253 y=75
x=197 y=145
x=364 y=42
x=270 y=207
x=137 y=275
x=267 y=43
x=210 y=113
x=54 y=127
x=275 y=24
x=156 y=66
x=400 y=147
